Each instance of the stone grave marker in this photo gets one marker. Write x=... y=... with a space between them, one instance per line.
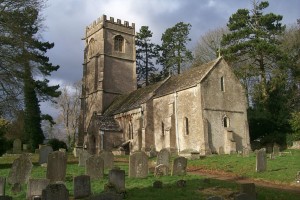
x=108 y=158
x=25 y=147
x=276 y=149
x=62 y=150
x=83 y=156
x=116 y=177
x=261 y=161
x=2 y=186
x=20 y=170
x=82 y=186
x=94 y=167
x=161 y=170
x=56 y=191
x=221 y=150
x=138 y=165
x=163 y=157
x=57 y=165
x=35 y=187
x=249 y=189
x=246 y=152
x=17 y=146
x=179 y=166
x=43 y=153
x=77 y=151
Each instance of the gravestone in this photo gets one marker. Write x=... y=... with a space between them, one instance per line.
x=94 y=167
x=17 y=146
x=83 y=156
x=163 y=157
x=82 y=186
x=2 y=186
x=55 y=192
x=276 y=149
x=116 y=177
x=25 y=147
x=35 y=187
x=161 y=170
x=179 y=166
x=77 y=151
x=261 y=161
x=249 y=189
x=221 y=150
x=20 y=170
x=43 y=153
x=56 y=167
x=138 y=165
x=62 y=150
x=108 y=158
x=246 y=152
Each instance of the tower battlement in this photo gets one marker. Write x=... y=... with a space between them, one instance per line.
x=101 y=21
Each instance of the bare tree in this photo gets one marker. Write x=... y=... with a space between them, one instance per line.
x=208 y=46
x=69 y=105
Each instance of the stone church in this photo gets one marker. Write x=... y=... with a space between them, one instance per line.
x=201 y=110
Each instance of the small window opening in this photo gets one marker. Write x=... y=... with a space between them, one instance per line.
x=119 y=43
x=226 y=122
x=162 y=129
x=222 y=84
x=186 y=125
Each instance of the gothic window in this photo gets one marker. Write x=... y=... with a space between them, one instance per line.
x=119 y=43
x=222 y=84
x=186 y=125
x=225 y=121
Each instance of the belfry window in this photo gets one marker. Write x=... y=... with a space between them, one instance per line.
x=186 y=125
x=222 y=84
x=119 y=43
x=226 y=122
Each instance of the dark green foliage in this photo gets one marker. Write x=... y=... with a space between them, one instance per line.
x=173 y=49
x=145 y=53
x=57 y=144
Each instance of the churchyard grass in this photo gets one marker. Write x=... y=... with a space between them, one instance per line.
x=196 y=187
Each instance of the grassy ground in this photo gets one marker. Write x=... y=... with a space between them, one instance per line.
x=197 y=187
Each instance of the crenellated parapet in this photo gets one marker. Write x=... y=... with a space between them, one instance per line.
x=103 y=21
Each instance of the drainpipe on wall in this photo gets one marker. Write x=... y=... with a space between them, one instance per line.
x=176 y=123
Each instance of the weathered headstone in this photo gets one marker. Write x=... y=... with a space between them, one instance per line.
x=246 y=152
x=261 y=161
x=108 y=158
x=2 y=186
x=94 y=167
x=83 y=156
x=161 y=170
x=276 y=150
x=62 y=150
x=25 y=147
x=116 y=177
x=20 y=170
x=179 y=166
x=82 y=186
x=163 y=157
x=17 y=146
x=221 y=150
x=55 y=192
x=35 y=187
x=43 y=154
x=138 y=165
x=249 y=189
x=57 y=165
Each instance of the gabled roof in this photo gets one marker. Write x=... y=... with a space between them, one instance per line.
x=187 y=79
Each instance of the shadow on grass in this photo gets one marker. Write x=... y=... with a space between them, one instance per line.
x=5 y=166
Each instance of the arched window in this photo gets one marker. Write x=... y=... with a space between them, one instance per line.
x=119 y=43
x=222 y=84
x=186 y=125
x=225 y=121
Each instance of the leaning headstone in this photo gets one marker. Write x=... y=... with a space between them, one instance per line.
x=83 y=156
x=82 y=186
x=55 y=192
x=108 y=158
x=163 y=157
x=94 y=167
x=43 y=154
x=35 y=188
x=2 y=186
x=17 y=146
x=276 y=150
x=56 y=167
x=261 y=161
x=116 y=177
x=20 y=170
x=179 y=166
x=249 y=189
x=161 y=170
x=138 y=165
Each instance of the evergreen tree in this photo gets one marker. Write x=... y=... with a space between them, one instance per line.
x=173 y=49
x=145 y=53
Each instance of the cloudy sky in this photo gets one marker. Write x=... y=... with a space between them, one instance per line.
x=66 y=21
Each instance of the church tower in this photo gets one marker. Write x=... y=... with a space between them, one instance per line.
x=109 y=67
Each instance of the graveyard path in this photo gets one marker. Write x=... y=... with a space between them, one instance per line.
x=226 y=176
